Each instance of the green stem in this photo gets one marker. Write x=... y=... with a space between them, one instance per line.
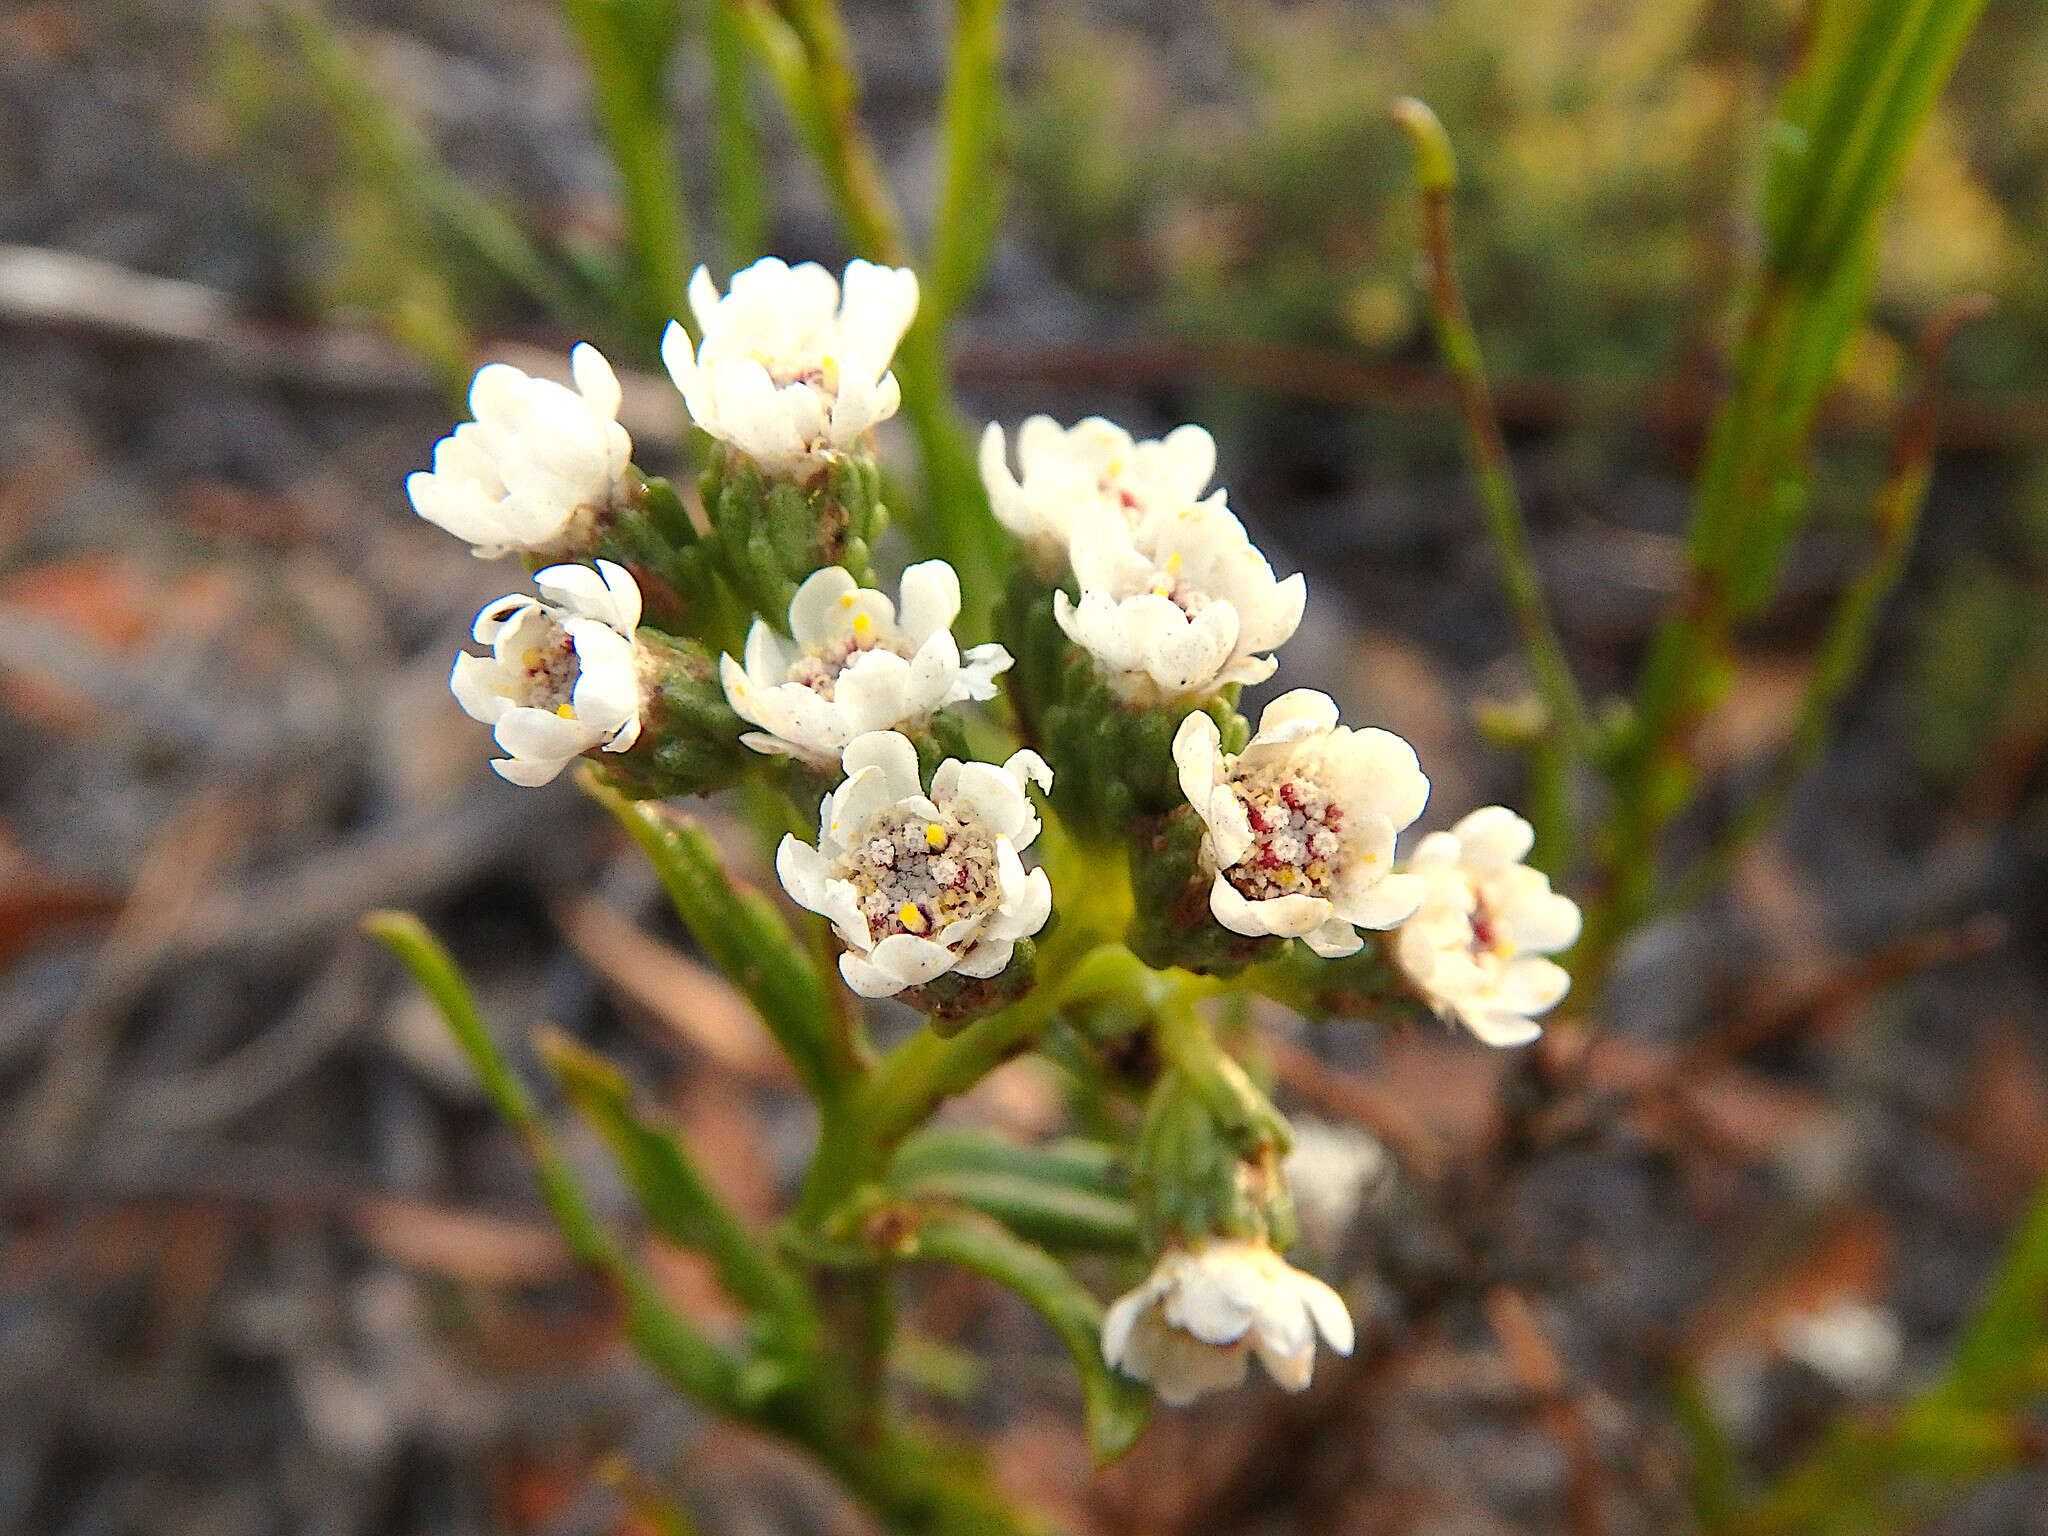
x=736 y=150
x=1436 y=174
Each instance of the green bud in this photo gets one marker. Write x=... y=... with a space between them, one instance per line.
x=689 y=741
x=769 y=532
x=953 y=1001
x=1172 y=924
x=1193 y=1176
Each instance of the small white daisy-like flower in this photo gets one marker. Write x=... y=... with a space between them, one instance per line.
x=1203 y=1311
x=563 y=676
x=1301 y=824
x=1178 y=606
x=855 y=663
x=792 y=370
x=921 y=885
x=536 y=468
x=1074 y=476
x=1474 y=947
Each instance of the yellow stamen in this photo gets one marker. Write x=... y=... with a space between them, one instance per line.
x=862 y=623
x=566 y=711
x=934 y=835
x=912 y=919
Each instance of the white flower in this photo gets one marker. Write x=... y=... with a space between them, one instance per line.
x=1180 y=605
x=1472 y=949
x=919 y=885
x=1190 y=1327
x=538 y=465
x=855 y=664
x=563 y=675
x=1301 y=824
x=1328 y=1170
x=1851 y=1343
x=791 y=371
x=1076 y=476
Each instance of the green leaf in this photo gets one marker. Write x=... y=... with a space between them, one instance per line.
x=677 y=1201
x=392 y=146
x=1116 y=1407
x=628 y=46
x=736 y=148
x=744 y=936
x=689 y=1360
x=971 y=197
x=1066 y=1196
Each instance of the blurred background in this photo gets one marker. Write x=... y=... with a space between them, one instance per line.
x=268 y=1265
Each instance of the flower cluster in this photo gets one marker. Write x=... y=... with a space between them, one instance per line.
x=1175 y=600
x=1159 y=609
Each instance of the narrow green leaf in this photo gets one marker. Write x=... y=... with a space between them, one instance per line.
x=689 y=1360
x=971 y=195
x=677 y=1201
x=744 y=936
x=736 y=148
x=389 y=143
x=1116 y=1407
x=628 y=46
x=1068 y=1196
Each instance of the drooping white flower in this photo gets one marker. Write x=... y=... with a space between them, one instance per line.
x=792 y=370
x=920 y=885
x=1179 y=605
x=563 y=676
x=1301 y=824
x=1473 y=948
x=1328 y=1171
x=1072 y=477
x=536 y=468
x=1194 y=1323
x=854 y=663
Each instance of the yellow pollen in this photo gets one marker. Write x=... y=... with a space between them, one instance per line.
x=1173 y=564
x=911 y=918
x=934 y=835
x=531 y=660
x=1285 y=875
x=862 y=623
x=846 y=600
x=566 y=711
x=1317 y=869
x=1116 y=466
x=1505 y=948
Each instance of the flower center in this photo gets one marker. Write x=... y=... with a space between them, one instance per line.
x=548 y=671
x=819 y=668
x=1295 y=838
x=1169 y=583
x=916 y=875
x=1489 y=947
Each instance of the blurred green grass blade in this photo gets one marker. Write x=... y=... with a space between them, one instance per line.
x=744 y=935
x=736 y=148
x=1998 y=1359
x=1116 y=1407
x=677 y=1201
x=389 y=143
x=691 y=1361
x=972 y=194
x=628 y=46
x=1712 y=1473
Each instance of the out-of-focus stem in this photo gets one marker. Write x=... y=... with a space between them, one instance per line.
x=1436 y=176
x=1845 y=645
x=736 y=150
